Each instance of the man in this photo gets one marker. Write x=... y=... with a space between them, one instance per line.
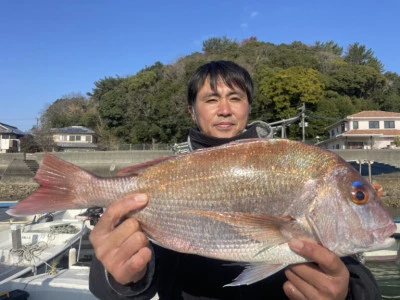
x=129 y=267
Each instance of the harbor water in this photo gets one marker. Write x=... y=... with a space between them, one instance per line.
x=387 y=274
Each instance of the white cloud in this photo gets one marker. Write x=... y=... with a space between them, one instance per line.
x=254 y=13
x=243 y=25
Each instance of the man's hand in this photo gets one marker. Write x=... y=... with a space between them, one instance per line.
x=122 y=247
x=327 y=278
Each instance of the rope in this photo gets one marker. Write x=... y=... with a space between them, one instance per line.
x=31 y=252
x=59 y=229
x=28 y=252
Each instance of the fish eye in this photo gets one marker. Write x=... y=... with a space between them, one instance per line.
x=359 y=195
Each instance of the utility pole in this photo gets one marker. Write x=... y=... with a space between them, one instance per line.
x=303 y=117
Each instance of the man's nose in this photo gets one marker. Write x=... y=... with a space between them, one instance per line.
x=224 y=108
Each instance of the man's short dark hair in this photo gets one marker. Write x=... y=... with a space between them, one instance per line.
x=231 y=73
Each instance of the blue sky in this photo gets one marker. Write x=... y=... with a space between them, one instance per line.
x=50 y=49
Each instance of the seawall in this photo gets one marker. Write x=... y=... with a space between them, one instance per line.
x=104 y=163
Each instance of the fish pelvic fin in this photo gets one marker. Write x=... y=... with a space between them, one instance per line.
x=57 y=191
x=255 y=272
x=260 y=227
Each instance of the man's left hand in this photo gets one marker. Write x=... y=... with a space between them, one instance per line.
x=327 y=278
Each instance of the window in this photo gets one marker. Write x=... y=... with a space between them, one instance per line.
x=5 y=136
x=355 y=124
x=71 y=138
x=343 y=127
x=389 y=124
x=373 y=124
x=78 y=137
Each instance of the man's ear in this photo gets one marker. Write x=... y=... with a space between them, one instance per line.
x=192 y=113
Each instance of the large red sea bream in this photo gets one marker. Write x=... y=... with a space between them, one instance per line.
x=239 y=202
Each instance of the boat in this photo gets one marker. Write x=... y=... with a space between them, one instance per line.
x=388 y=254
x=71 y=282
x=5 y=224
x=65 y=284
x=32 y=248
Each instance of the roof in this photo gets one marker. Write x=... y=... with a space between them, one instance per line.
x=4 y=128
x=368 y=114
x=73 y=129
x=375 y=114
x=387 y=132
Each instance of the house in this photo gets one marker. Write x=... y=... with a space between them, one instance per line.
x=372 y=129
x=74 y=138
x=9 y=138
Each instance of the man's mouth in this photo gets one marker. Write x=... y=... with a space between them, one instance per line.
x=224 y=125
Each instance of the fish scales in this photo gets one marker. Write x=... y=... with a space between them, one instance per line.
x=211 y=181
x=239 y=202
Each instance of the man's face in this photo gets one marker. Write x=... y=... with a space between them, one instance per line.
x=223 y=113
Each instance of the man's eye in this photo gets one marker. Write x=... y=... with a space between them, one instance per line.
x=211 y=100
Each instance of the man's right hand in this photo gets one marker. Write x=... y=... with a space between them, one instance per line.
x=121 y=246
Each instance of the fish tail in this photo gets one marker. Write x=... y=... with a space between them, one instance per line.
x=57 y=191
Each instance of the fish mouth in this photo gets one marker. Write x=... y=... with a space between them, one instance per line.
x=379 y=239
x=382 y=234
x=388 y=242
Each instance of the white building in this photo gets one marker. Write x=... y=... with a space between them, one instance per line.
x=74 y=138
x=9 y=138
x=371 y=129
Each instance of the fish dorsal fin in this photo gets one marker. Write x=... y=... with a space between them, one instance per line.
x=245 y=141
x=261 y=227
x=139 y=168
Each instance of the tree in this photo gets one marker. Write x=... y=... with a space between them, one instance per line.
x=330 y=47
x=103 y=86
x=358 y=81
x=29 y=144
x=66 y=111
x=44 y=139
x=329 y=55
x=357 y=54
x=397 y=141
x=151 y=106
x=293 y=55
x=112 y=108
x=288 y=89
x=219 y=45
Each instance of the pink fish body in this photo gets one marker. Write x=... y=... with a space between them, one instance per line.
x=239 y=202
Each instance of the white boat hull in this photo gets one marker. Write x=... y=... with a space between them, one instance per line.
x=40 y=243
x=67 y=284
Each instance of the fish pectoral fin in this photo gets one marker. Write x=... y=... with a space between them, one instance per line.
x=260 y=227
x=255 y=272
